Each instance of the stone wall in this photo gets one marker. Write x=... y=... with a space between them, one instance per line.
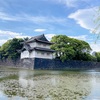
x=55 y=64
x=23 y=63
x=27 y=63
x=58 y=64
x=10 y=63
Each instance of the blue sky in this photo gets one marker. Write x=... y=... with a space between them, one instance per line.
x=74 y=18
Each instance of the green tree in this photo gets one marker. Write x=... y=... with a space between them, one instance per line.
x=3 y=50
x=63 y=47
x=9 y=49
x=97 y=55
x=82 y=49
x=70 y=49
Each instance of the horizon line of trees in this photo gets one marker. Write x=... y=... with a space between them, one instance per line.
x=66 y=49
x=73 y=49
x=9 y=49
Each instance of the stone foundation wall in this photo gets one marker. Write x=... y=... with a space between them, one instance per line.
x=23 y=63
x=10 y=63
x=27 y=63
x=46 y=64
x=58 y=64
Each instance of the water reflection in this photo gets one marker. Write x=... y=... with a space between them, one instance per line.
x=24 y=79
x=95 y=86
x=48 y=98
x=3 y=96
x=61 y=85
x=53 y=81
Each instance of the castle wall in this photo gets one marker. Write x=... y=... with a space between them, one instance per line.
x=59 y=65
x=27 y=63
x=32 y=54
x=42 y=54
x=50 y=64
x=36 y=54
x=25 y=54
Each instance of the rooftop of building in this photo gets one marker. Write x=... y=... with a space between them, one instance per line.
x=39 y=38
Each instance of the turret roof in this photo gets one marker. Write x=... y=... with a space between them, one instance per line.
x=36 y=48
x=40 y=38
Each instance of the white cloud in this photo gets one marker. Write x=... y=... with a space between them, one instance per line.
x=76 y=3
x=9 y=33
x=2 y=41
x=6 y=35
x=40 y=30
x=80 y=37
x=22 y=36
x=4 y=16
x=35 y=19
x=42 y=19
x=72 y=3
x=49 y=36
x=95 y=47
x=69 y=3
x=85 y=18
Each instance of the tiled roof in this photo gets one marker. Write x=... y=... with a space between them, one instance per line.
x=40 y=38
x=38 y=49
x=44 y=49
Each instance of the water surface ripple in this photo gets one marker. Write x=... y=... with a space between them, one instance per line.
x=20 y=84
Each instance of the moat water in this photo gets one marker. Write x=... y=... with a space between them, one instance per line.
x=21 y=84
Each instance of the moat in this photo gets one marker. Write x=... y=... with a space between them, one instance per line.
x=21 y=84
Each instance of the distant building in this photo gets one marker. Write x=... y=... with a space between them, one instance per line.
x=37 y=47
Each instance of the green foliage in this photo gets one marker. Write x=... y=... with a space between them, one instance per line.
x=67 y=49
x=97 y=55
x=9 y=49
x=71 y=49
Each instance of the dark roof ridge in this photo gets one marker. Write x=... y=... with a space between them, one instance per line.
x=39 y=37
x=42 y=49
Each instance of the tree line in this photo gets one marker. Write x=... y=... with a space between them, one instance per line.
x=66 y=49
x=73 y=49
x=9 y=49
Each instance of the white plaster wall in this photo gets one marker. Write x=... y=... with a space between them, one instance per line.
x=35 y=44
x=44 y=55
x=24 y=54
x=32 y=54
x=36 y=54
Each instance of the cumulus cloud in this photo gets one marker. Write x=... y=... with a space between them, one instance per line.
x=2 y=41
x=6 y=35
x=22 y=36
x=9 y=33
x=95 y=47
x=49 y=36
x=40 y=30
x=80 y=37
x=85 y=18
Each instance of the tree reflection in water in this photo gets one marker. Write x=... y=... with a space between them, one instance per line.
x=30 y=86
